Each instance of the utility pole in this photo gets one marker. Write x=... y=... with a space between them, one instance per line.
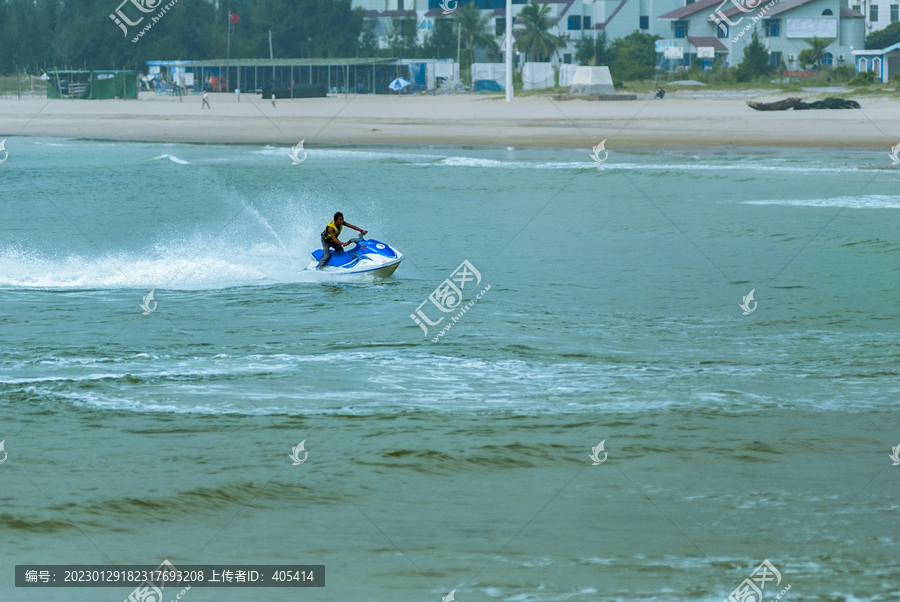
x=228 y=52
x=509 y=52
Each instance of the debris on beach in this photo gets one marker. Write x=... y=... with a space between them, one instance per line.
x=798 y=104
x=829 y=103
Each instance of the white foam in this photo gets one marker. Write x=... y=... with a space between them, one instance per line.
x=171 y=158
x=872 y=201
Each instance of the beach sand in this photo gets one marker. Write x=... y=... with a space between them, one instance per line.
x=682 y=119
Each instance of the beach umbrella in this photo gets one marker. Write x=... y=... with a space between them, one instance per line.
x=399 y=83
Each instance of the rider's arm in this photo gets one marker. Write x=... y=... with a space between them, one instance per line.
x=360 y=230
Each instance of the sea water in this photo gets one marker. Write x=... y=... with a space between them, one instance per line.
x=733 y=431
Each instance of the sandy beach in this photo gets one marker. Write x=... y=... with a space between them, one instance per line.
x=682 y=119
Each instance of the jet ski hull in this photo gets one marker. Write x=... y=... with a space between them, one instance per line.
x=367 y=257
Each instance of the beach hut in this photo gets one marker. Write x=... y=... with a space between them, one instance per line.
x=885 y=63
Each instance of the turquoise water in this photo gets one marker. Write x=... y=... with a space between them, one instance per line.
x=463 y=464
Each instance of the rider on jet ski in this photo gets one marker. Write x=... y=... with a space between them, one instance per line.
x=330 y=238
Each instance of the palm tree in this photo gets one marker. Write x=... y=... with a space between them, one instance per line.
x=474 y=29
x=818 y=46
x=536 y=40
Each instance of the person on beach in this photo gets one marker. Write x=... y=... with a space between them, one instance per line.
x=330 y=237
x=205 y=101
x=273 y=100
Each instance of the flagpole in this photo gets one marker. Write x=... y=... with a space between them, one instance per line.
x=509 y=51
x=228 y=52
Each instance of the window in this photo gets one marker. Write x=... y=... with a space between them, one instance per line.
x=681 y=28
x=827 y=11
x=500 y=26
x=574 y=23
x=587 y=23
x=567 y=59
x=775 y=59
x=722 y=31
x=876 y=67
x=873 y=12
x=773 y=28
x=520 y=1
x=399 y=4
x=863 y=65
x=895 y=12
x=828 y=59
x=645 y=22
x=856 y=7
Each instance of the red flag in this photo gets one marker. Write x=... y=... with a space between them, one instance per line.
x=234 y=18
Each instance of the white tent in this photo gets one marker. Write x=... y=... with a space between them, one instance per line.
x=566 y=73
x=492 y=71
x=537 y=75
x=592 y=81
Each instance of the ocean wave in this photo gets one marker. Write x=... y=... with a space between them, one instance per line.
x=871 y=201
x=171 y=158
x=631 y=166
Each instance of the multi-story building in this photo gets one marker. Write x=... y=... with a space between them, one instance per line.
x=691 y=25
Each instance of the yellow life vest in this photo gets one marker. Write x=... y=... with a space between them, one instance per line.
x=337 y=230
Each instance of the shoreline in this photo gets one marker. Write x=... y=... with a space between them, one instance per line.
x=456 y=120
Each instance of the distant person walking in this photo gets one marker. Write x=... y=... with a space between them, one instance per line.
x=205 y=101
x=273 y=100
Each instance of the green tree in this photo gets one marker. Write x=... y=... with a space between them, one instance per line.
x=440 y=42
x=806 y=58
x=476 y=30
x=536 y=40
x=817 y=50
x=755 y=63
x=368 y=41
x=403 y=37
x=888 y=36
x=590 y=51
x=634 y=56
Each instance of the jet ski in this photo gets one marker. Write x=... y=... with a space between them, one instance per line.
x=367 y=257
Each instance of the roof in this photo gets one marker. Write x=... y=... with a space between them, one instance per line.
x=690 y=9
x=603 y=24
x=398 y=13
x=700 y=41
x=849 y=13
x=878 y=51
x=780 y=7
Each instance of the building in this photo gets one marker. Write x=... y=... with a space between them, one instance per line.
x=878 y=13
x=783 y=26
x=884 y=63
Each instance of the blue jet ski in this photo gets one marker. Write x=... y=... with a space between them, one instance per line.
x=367 y=257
